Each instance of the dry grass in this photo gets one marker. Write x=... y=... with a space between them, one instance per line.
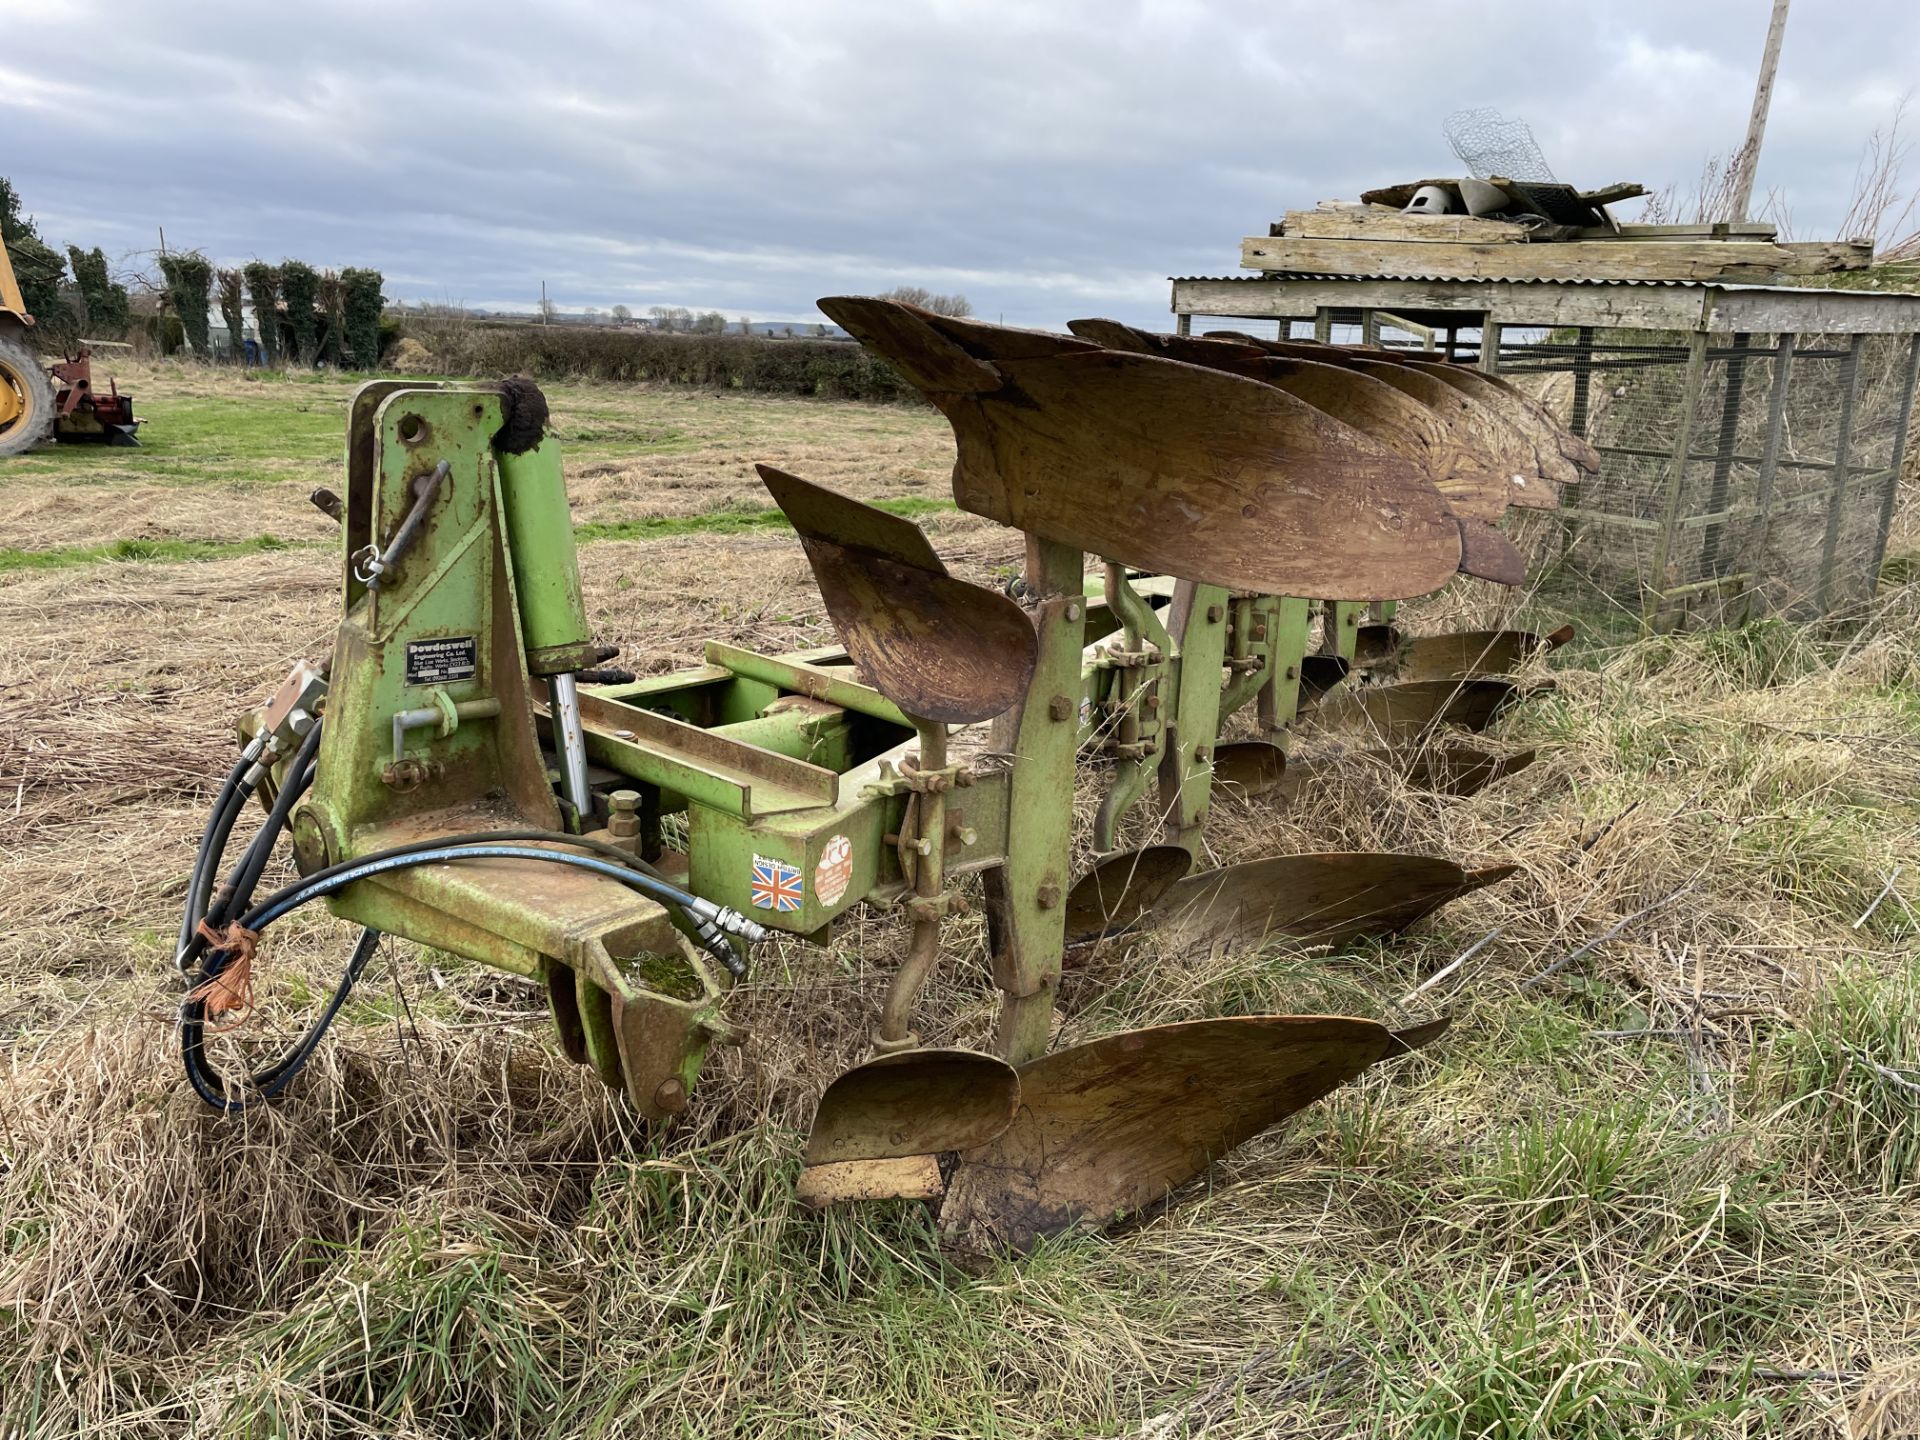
x=1544 y=1226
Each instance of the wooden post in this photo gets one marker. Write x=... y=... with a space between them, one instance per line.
x=1323 y=324
x=1842 y=455
x=1582 y=381
x=1369 y=328
x=1723 y=449
x=1769 y=466
x=1577 y=422
x=1490 y=346
x=1657 y=584
x=1757 y=120
x=1896 y=458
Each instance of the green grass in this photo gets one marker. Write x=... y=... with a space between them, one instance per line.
x=734 y=521
x=141 y=552
x=728 y=521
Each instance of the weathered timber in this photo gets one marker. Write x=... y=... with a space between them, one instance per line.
x=1378 y=223
x=1735 y=260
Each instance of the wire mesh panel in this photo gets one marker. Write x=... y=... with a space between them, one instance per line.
x=1741 y=474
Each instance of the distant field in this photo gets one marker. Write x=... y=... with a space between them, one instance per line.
x=1662 y=1184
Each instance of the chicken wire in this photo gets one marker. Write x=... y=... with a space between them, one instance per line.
x=1778 y=502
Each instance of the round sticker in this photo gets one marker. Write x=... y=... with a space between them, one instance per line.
x=835 y=871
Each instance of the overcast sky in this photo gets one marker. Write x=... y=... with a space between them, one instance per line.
x=1048 y=158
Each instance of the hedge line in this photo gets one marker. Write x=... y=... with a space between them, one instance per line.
x=833 y=369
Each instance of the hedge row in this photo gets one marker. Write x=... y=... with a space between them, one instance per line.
x=832 y=369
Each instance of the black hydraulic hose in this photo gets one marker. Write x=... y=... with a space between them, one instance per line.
x=497 y=837
x=269 y=1082
x=233 y=796
x=237 y=893
x=712 y=924
x=338 y=877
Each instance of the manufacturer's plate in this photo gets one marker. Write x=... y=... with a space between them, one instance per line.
x=436 y=662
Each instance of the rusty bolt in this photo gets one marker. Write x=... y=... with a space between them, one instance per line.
x=1214 y=612
x=1260 y=630
x=1153 y=701
x=963 y=778
x=965 y=834
x=1047 y=896
x=1202 y=755
x=1060 y=708
x=623 y=820
x=671 y=1096
x=957 y=904
x=1293 y=672
x=1073 y=610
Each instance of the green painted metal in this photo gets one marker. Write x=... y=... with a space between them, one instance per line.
x=1343 y=619
x=1186 y=767
x=700 y=765
x=1026 y=896
x=799 y=678
x=1129 y=711
x=1279 y=696
x=812 y=731
x=786 y=761
x=449 y=605
x=553 y=609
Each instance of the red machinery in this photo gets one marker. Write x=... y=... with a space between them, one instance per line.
x=82 y=414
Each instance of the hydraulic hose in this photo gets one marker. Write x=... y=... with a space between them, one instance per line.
x=233 y=796
x=708 y=924
x=267 y=1083
x=237 y=891
x=711 y=923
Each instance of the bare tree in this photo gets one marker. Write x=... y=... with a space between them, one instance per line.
x=746 y=326
x=622 y=314
x=955 y=305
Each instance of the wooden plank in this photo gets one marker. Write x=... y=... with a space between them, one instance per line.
x=1634 y=306
x=1702 y=260
x=1613 y=194
x=1817 y=312
x=1750 y=230
x=1822 y=257
x=1375 y=223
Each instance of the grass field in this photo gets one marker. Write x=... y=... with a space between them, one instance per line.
x=1661 y=1184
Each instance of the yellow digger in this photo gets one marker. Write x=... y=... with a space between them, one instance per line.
x=37 y=401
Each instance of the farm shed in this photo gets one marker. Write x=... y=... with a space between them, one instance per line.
x=1751 y=435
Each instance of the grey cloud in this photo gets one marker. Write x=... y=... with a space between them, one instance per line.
x=1049 y=159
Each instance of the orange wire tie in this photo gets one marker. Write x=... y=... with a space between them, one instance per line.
x=232 y=989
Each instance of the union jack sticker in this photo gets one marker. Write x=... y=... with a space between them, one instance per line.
x=775 y=885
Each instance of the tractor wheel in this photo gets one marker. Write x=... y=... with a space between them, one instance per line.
x=26 y=398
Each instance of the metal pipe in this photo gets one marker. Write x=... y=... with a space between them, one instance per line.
x=570 y=740
x=425 y=489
